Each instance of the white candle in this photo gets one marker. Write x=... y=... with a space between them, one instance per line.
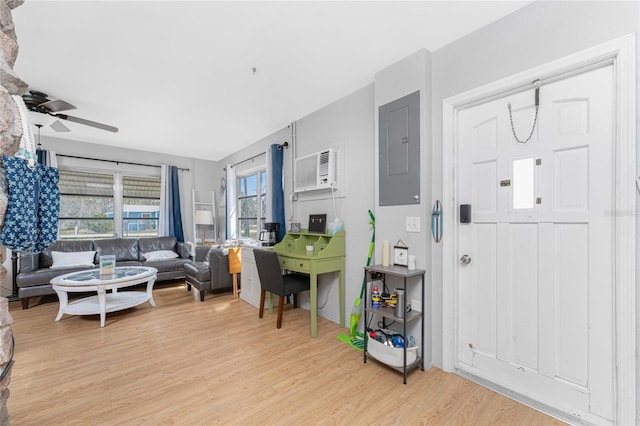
x=385 y=253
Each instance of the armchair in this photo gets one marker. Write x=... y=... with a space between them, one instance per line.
x=272 y=280
x=209 y=271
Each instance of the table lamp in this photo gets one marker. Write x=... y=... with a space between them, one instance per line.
x=204 y=217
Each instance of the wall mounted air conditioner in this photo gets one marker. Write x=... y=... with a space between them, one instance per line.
x=315 y=171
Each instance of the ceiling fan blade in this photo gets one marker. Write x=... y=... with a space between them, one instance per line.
x=59 y=127
x=57 y=105
x=87 y=122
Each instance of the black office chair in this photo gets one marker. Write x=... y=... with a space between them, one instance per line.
x=272 y=280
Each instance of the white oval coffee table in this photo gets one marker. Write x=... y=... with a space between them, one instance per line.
x=103 y=302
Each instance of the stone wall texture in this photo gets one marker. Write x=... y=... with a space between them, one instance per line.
x=10 y=133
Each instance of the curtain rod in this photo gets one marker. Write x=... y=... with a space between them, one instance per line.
x=247 y=159
x=114 y=161
x=283 y=145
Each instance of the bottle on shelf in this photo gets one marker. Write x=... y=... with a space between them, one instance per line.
x=375 y=298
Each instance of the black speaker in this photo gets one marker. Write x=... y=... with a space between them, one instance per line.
x=465 y=213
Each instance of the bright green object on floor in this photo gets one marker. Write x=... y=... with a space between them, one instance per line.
x=356 y=311
x=357 y=343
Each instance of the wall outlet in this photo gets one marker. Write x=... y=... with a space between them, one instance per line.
x=416 y=305
x=412 y=224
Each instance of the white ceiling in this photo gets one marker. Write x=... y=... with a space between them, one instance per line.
x=176 y=76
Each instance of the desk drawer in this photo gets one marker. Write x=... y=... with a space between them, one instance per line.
x=299 y=265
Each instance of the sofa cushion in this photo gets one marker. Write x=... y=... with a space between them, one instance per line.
x=124 y=249
x=151 y=244
x=198 y=270
x=44 y=276
x=63 y=259
x=160 y=255
x=46 y=259
x=167 y=265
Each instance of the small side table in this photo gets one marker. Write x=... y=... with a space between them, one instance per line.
x=379 y=272
x=235 y=267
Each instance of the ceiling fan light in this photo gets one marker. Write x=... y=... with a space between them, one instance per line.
x=57 y=105
x=59 y=127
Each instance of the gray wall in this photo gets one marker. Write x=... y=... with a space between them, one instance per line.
x=406 y=76
x=346 y=125
x=258 y=147
x=536 y=34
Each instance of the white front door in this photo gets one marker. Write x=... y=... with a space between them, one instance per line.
x=535 y=307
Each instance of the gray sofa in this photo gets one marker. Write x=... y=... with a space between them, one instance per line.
x=35 y=273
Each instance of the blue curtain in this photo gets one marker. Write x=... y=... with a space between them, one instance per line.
x=42 y=156
x=175 y=219
x=277 y=198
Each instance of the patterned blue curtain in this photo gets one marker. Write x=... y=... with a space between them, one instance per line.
x=277 y=197
x=175 y=216
x=31 y=221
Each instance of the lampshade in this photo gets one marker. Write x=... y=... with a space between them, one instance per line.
x=204 y=217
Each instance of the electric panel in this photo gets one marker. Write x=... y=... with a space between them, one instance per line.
x=399 y=151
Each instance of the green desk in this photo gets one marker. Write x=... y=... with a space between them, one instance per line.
x=327 y=256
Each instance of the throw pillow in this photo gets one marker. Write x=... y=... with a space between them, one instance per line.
x=62 y=259
x=160 y=255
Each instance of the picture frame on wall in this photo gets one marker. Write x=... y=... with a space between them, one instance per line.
x=400 y=254
x=318 y=223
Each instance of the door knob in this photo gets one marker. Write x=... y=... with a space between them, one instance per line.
x=465 y=259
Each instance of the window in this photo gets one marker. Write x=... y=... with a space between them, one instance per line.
x=86 y=205
x=140 y=206
x=252 y=199
x=523 y=183
x=100 y=205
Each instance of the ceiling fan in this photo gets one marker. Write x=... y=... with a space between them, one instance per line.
x=39 y=102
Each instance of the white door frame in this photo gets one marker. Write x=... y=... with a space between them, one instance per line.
x=621 y=53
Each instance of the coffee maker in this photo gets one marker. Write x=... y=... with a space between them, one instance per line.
x=269 y=236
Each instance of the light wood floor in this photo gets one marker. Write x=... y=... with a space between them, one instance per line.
x=190 y=363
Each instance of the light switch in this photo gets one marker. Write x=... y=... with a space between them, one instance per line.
x=412 y=224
